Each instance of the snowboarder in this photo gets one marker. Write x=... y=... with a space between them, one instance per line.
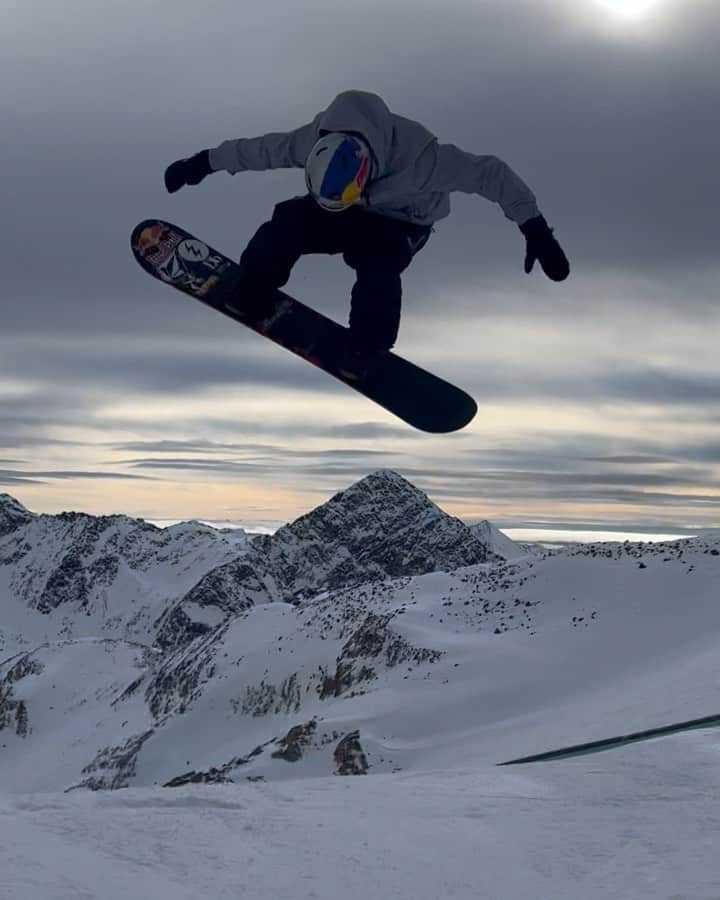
x=392 y=179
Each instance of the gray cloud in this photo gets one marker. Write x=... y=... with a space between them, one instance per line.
x=637 y=460
x=166 y=367
x=617 y=133
x=606 y=130
x=30 y=440
x=365 y=431
x=211 y=447
x=173 y=367
x=550 y=453
x=280 y=461
x=628 y=385
x=33 y=477
x=590 y=486
x=204 y=446
x=589 y=491
x=10 y=479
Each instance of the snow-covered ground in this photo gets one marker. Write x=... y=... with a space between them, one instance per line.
x=640 y=823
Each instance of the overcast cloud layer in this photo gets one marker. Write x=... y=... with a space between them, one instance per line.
x=598 y=397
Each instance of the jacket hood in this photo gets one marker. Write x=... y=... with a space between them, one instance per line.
x=413 y=174
x=364 y=114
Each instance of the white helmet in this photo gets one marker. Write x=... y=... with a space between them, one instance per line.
x=337 y=170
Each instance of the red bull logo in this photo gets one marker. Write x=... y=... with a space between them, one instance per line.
x=156 y=243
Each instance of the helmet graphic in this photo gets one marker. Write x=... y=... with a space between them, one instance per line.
x=337 y=170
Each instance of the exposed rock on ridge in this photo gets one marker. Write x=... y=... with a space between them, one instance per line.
x=123 y=576
x=12 y=514
x=381 y=527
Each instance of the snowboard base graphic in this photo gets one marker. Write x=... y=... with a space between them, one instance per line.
x=420 y=398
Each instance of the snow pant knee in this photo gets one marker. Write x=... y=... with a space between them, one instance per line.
x=297 y=227
x=272 y=252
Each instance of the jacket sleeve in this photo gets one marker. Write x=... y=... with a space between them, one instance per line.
x=278 y=150
x=455 y=170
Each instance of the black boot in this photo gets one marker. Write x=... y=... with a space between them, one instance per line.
x=252 y=297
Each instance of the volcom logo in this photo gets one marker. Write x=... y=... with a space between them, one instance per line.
x=192 y=250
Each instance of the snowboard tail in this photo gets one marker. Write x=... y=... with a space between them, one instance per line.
x=421 y=399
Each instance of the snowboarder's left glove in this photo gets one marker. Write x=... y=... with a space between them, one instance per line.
x=542 y=246
x=187 y=171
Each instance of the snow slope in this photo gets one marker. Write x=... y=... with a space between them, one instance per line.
x=497 y=542
x=641 y=824
x=440 y=670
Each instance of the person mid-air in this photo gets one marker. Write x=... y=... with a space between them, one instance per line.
x=391 y=179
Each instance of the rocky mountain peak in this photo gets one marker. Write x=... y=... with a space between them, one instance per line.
x=384 y=487
x=376 y=498
x=380 y=527
x=13 y=514
x=385 y=482
x=387 y=487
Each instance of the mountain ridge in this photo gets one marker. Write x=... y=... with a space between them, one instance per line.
x=375 y=633
x=126 y=578
x=426 y=670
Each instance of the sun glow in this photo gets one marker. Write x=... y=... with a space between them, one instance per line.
x=629 y=9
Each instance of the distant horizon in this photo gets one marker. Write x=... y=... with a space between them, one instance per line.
x=518 y=535
x=517 y=529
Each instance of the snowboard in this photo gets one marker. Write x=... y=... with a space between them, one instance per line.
x=416 y=396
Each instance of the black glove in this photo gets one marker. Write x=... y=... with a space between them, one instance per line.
x=187 y=171
x=542 y=246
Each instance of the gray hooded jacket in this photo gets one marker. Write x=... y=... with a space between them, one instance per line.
x=412 y=174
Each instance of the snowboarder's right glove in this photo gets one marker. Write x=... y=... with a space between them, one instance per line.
x=542 y=246
x=187 y=171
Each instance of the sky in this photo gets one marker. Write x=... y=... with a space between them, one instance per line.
x=598 y=397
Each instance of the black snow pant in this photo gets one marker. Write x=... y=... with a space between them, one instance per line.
x=378 y=248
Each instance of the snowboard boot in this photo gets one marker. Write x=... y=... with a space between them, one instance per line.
x=357 y=359
x=256 y=300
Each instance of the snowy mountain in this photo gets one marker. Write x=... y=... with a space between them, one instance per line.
x=374 y=634
x=117 y=577
x=13 y=514
x=497 y=542
x=75 y=575
x=382 y=527
x=79 y=585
